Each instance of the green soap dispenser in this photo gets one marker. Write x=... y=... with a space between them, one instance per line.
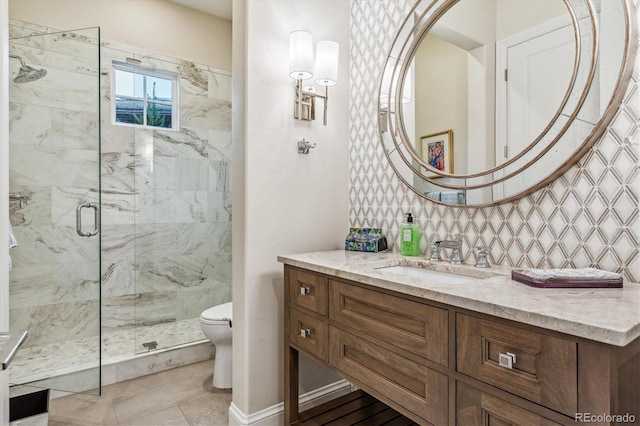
x=409 y=237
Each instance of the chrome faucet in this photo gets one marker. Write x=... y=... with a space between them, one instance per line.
x=481 y=257
x=456 y=245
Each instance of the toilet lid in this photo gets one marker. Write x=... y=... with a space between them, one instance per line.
x=218 y=313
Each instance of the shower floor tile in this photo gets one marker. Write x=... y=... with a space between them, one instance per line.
x=37 y=363
x=181 y=396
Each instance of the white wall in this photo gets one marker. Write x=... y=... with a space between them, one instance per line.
x=442 y=95
x=283 y=202
x=170 y=28
x=514 y=17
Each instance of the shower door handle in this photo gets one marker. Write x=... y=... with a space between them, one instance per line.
x=96 y=215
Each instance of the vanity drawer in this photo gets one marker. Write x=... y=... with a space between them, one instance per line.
x=403 y=382
x=475 y=407
x=308 y=333
x=544 y=369
x=412 y=326
x=308 y=290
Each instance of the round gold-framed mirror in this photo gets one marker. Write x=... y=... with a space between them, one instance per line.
x=482 y=103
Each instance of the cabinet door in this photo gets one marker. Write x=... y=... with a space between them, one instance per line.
x=308 y=333
x=308 y=290
x=398 y=381
x=415 y=327
x=543 y=368
x=474 y=407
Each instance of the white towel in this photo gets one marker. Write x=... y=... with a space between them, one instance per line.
x=433 y=195
x=12 y=243
x=451 y=197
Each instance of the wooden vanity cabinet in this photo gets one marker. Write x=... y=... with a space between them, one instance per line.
x=434 y=364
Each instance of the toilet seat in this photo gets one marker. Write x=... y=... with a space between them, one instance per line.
x=217 y=315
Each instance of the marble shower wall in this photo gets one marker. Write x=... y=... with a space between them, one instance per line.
x=166 y=196
x=166 y=201
x=54 y=160
x=590 y=215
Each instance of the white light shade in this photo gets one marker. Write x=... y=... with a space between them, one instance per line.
x=327 y=63
x=300 y=55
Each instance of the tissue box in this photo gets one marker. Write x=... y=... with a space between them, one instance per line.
x=365 y=239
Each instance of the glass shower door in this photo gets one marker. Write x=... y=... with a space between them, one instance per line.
x=182 y=206
x=55 y=207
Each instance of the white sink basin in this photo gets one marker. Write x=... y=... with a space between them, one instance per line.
x=437 y=276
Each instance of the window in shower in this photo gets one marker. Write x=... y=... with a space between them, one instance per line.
x=144 y=97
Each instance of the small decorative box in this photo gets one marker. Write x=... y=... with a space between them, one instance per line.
x=365 y=239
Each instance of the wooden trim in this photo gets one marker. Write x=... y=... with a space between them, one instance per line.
x=291 y=390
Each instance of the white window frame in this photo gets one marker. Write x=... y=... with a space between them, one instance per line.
x=145 y=72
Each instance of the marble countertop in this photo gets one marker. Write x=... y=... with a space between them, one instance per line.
x=608 y=315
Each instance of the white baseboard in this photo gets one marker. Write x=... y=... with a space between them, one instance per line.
x=274 y=415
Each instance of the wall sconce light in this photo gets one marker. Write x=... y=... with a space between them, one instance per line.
x=301 y=67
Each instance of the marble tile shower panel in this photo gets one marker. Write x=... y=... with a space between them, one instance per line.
x=32 y=287
x=37 y=211
x=192 y=302
x=220 y=145
x=220 y=86
x=176 y=173
x=119 y=311
x=58 y=45
x=118 y=170
x=211 y=113
x=65 y=199
x=152 y=239
x=30 y=123
x=164 y=206
x=194 y=80
x=117 y=207
x=139 y=309
x=118 y=139
x=57 y=322
x=42 y=245
x=219 y=206
x=216 y=238
x=189 y=142
x=74 y=129
x=117 y=242
x=58 y=89
x=172 y=273
x=588 y=216
x=46 y=165
x=118 y=278
x=220 y=179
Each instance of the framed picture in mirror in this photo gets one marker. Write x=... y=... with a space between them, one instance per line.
x=436 y=150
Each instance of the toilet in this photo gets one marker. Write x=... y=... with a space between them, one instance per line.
x=216 y=325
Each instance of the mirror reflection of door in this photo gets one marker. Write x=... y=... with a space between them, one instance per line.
x=458 y=80
x=538 y=64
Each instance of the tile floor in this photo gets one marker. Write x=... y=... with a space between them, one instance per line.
x=181 y=396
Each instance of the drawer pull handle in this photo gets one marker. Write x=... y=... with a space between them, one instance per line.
x=305 y=332
x=304 y=290
x=506 y=359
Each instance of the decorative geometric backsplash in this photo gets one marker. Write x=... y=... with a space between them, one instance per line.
x=588 y=216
